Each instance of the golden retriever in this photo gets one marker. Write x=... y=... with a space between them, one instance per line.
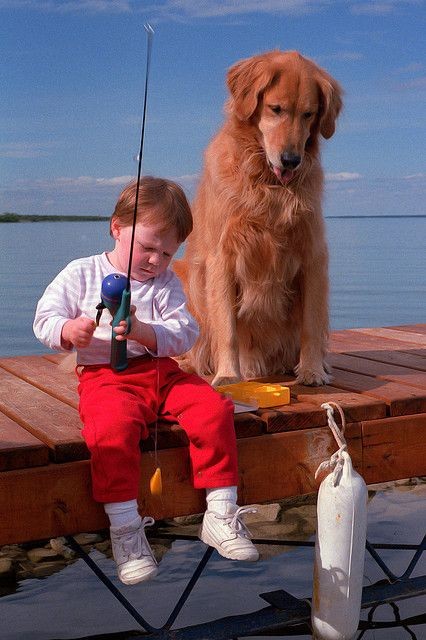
x=255 y=267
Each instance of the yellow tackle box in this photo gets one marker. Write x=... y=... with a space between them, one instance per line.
x=259 y=394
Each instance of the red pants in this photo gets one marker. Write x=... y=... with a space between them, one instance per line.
x=117 y=407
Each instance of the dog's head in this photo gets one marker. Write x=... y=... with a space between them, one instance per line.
x=290 y=100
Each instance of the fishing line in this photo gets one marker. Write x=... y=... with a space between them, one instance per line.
x=156 y=481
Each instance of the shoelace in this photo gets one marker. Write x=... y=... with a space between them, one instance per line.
x=133 y=544
x=236 y=524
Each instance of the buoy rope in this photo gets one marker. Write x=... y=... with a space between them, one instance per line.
x=336 y=461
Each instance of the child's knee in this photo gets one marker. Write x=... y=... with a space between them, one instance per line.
x=114 y=432
x=220 y=407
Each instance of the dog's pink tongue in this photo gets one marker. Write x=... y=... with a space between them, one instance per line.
x=283 y=176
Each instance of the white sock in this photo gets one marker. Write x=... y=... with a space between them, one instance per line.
x=121 y=513
x=219 y=498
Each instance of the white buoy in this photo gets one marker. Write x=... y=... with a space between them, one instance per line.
x=339 y=546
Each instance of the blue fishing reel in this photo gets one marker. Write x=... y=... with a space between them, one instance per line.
x=115 y=296
x=112 y=289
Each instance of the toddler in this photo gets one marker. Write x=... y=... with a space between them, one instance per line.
x=116 y=407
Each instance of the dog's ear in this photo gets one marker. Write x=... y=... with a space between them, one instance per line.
x=246 y=80
x=330 y=104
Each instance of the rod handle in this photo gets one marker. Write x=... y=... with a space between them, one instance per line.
x=119 y=347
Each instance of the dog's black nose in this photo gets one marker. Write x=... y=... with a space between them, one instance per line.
x=290 y=161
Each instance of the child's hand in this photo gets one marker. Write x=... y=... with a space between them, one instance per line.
x=121 y=328
x=77 y=332
x=139 y=331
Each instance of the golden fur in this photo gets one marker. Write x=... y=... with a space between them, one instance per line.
x=256 y=265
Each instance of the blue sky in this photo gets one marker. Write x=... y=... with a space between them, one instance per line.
x=72 y=74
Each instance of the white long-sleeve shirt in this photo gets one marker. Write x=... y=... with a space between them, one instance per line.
x=76 y=291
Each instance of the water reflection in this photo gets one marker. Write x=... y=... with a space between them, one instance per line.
x=73 y=603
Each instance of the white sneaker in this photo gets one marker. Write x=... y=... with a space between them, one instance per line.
x=132 y=553
x=228 y=534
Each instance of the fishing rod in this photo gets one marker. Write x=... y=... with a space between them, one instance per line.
x=115 y=290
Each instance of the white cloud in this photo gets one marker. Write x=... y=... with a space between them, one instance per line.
x=381 y=8
x=415 y=176
x=185 y=9
x=217 y=8
x=372 y=8
x=70 y=6
x=415 y=84
x=73 y=195
x=80 y=182
x=188 y=183
x=88 y=184
x=343 y=176
x=112 y=182
x=25 y=149
x=173 y=9
x=344 y=56
x=220 y=8
x=412 y=67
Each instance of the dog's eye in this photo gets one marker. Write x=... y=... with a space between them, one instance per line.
x=275 y=108
x=308 y=114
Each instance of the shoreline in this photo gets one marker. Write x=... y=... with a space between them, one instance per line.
x=18 y=217
x=15 y=217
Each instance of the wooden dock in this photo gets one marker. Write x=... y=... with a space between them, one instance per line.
x=379 y=380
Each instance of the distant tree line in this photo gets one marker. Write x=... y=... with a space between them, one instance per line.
x=16 y=217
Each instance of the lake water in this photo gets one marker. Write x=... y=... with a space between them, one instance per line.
x=377 y=273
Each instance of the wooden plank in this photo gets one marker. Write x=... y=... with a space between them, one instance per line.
x=348 y=341
x=280 y=465
x=179 y=497
x=248 y=425
x=400 y=399
x=294 y=416
x=394 y=340
x=305 y=411
x=57 y=358
x=44 y=375
x=355 y=407
x=171 y=435
x=18 y=448
x=56 y=499
x=49 y=501
x=418 y=339
x=412 y=328
x=380 y=370
x=357 y=347
x=397 y=358
x=394 y=448
x=51 y=421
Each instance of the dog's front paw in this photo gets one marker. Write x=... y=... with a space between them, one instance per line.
x=313 y=376
x=220 y=380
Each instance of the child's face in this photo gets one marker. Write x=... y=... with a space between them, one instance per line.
x=152 y=252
